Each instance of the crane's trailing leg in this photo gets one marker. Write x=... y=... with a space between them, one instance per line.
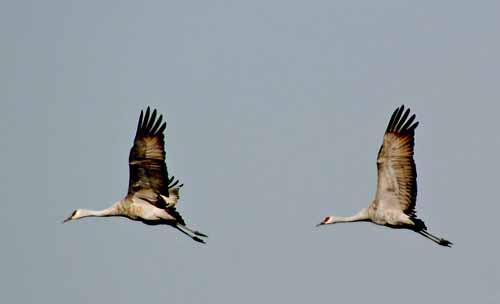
x=195 y=238
x=435 y=239
x=420 y=228
x=193 y=231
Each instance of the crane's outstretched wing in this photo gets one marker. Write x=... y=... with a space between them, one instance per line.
x=148 y=171
x=397 y=175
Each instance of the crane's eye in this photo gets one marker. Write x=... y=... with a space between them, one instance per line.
x=326 y=219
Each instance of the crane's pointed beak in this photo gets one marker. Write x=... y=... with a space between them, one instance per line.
x=320 y=224
x=70 y=217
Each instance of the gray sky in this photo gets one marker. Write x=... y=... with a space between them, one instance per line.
x=275 y=110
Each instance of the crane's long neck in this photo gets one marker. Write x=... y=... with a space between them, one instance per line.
x=362 y=215
x=111 y=211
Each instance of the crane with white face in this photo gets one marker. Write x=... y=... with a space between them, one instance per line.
x=396 y=196
x=152 y=194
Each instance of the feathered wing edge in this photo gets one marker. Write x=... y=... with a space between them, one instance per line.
x=397 y=122
x=397 y=152
x=145 y=125
x=150 y=127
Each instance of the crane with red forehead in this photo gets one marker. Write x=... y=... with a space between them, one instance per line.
x=396 y=196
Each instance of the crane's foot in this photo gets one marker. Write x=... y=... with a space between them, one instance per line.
x=200 y=234
x=194 y=237
x=444 y=242
x=198 y=239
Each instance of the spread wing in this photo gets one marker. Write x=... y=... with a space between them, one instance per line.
x=148 y=171
x=397 y=175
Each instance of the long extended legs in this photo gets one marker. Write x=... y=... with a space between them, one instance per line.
x=435 y=239
x=192 y=231
x=188 y=231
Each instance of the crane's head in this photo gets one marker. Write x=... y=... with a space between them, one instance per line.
x=74 y=215
x=326 y=221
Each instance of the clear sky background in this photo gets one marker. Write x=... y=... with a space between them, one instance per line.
x=275 y=111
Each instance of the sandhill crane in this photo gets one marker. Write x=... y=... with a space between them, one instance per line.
x=152 y=195
x=395 y=199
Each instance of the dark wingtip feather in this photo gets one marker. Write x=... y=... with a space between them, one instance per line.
x=408 y=122
x=148 y=124
x=391 y=120
x=399 y=122
x=396 y=119
x=158 y=123
x=153 y=116
x=154 y=129
x=146 y=120
x=139 y=124
x=151 y=122
x=402 y=120
x=413 y=127
x=171 y=185
x=162 y=128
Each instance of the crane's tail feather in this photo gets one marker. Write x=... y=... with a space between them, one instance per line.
x=195 y=238
x=435 y=239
